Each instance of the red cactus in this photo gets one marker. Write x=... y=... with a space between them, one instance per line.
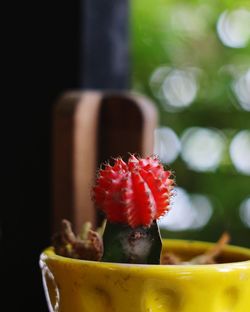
x=134 y=193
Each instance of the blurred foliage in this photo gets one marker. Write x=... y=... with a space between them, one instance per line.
x=183 y=34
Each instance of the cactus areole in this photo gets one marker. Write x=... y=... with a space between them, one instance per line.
x=133 y=196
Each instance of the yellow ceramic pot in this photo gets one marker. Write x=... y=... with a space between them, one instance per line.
x=87 y=286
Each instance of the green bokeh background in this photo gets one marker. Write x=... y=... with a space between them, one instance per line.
x=158 y=41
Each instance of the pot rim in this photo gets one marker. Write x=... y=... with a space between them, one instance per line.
x=49 y=254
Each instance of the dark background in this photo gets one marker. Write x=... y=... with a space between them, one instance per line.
x=42 y=61
x=51 y=47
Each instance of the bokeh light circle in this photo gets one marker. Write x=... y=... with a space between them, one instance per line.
x=180 y=88
x=245 y=211
x=203 y=210
x=167 y=144
x=175 y=88
x=241 y=88
x=188 y=212
x=157 y=78
x=233 y=28
x=202 y=148
x=240 y=151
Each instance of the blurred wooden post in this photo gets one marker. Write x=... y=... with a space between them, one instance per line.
x=74 y=152
x=89 y=128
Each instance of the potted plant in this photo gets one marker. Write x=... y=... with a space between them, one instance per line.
x=126 y=266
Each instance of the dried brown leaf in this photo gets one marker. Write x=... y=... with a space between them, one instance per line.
x=88 y=245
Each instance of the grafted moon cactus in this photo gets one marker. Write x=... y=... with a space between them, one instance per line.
x=133 y=196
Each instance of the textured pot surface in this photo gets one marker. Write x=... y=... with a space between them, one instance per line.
x=88 y=286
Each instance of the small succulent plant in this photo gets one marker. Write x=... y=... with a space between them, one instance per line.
x=133 y=196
